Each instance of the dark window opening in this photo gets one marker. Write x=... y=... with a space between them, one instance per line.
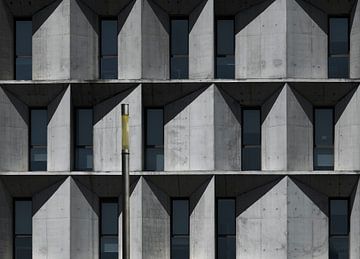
x=38 y=139
x=226 y=229
x=109 y=49
x=180 y=229
x=23 y=49
x=251 y=139
x=22 y=229
x=225 y=49
x=179 y=56
x=109 y=242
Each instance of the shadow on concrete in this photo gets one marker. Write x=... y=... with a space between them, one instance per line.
x=91 y=198
x=178 y=8
x=161 y=196
x=20 y=107
x=232 y=104
x=195 y=13
x=354 y=193
x=316 y=14
x=198 y=193
x=268 y=105
x=161 y=15
x=342 y=104
x=43 y=14
x=90 y=15
x=54 y=105
x=124 y=14
x=304 y=103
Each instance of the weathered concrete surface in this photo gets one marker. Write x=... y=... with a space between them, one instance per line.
x=14 y=141
x=355 y=42
x=59 y=132
x=355 y=223
x=7 y=42
x=201 y=41
x=6 y=222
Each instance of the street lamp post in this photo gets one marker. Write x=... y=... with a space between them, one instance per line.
x=126 y=181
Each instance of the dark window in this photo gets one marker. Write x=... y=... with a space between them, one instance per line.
x=23 y=228
x=179 y=56
x=23 y=49
x=84 y=139
x=226 y=229
x=180 y=229
x=154 y=140
x=38 y=139
x=339 y=229
x=225 y=49
x=339 y=47
x=251 y=139
x=109 y=229
x=324 y=139
x=109 y=49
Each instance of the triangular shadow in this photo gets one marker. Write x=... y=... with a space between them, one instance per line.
x=161 y=196
x=124 y=14
x=90 y=196
x=162 y=16
x=43 y=14
x=20 y=107
x=269 y=103
x=232 y=104
x=194 y=16
x=316 y=14
x=90 y=15
x=197 y=194
x=54 y=105
x=342 y=104
x=354 y=193
x=304 y=103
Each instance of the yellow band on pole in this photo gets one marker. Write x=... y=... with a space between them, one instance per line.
x=125 y=132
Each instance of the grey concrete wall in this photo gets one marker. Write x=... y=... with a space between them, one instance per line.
x=355 y=42
x=347 y=132
x=7 y=42
x=130 y=41
x=107 y=131
x=202 y=221
x=14 y=145
x=307 y=51
x=6 y=222
x=189 y=132
x=59 y=132
x=355 y=224
x=201 y=41
x=155 y=50
x=261 y=41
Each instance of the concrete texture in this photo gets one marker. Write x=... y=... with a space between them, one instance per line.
x=7 y=42
x=355 y=42
x=355 y=223
x=6 y=222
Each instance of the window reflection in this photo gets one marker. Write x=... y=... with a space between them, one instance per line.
x=23 y=50
x=109 y=229
x=179 y=58
x=23 y=229
x=109 y=49
x=225 y=49
x=251 y=139
x=83 y=139
x=226 y=229
x=38 y=139
x=180 y=229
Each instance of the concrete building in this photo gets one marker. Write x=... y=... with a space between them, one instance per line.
x=244 y=121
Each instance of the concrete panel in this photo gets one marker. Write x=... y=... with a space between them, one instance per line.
x=355 y=224
x=14 y=141
x=6 y=42
x=261 y=227
x=227 y=119
x=155 y=50
x=347 y=132
x=189 y=132
x=261 y=41
x=201 y=41
x=129 y=41
x=6 y=222
x=355 y=42
x=202 y=221
x=307 y=52
x=59 y=133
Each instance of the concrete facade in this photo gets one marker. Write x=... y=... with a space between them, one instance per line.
x=281 y=67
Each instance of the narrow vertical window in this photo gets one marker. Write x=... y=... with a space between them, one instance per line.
x=154 y=139
x=338 y=47
x=83 y=139
x=180 y=229
x=225 y=49
x=251 y=139
x=23 y=229
x=339 y=229
x=226 y=229
x=324 y=139
x=38 y=139
x=109 y=229
x=23 y=49
x=109 y=49
x=179 y=56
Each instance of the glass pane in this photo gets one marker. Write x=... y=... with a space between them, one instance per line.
x=324 y=158
x=179 y=37
x=339 y=248
x=179 y=68
x=225 y=37
x=109 y=248
x=84 y=127
x=338 y=67
x=180 y=217
x=23 y=217
x=23 y=38
x=38 y=127
x=109 y=218
x=339 y=35
x=84 y=159
x=38 y=159
x=251 y=127
x=251 y=158
x=109 y=68
x=154 y=159
x=180 y=248
x=226 y=248
x=155 y=127
x=109 y=37
x=23 y=68
x=225 y=67
x=23 y=248
x=226 y=217
x=324 y=127
x=339 y=217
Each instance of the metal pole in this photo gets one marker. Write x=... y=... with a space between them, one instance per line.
x=126 y=182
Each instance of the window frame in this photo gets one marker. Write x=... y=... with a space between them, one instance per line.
x=14 y=235
x=178 y=17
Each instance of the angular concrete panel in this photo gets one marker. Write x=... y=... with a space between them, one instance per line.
x=6 y=222
x=355 y=223
x=6 y=42
x=355 y=42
